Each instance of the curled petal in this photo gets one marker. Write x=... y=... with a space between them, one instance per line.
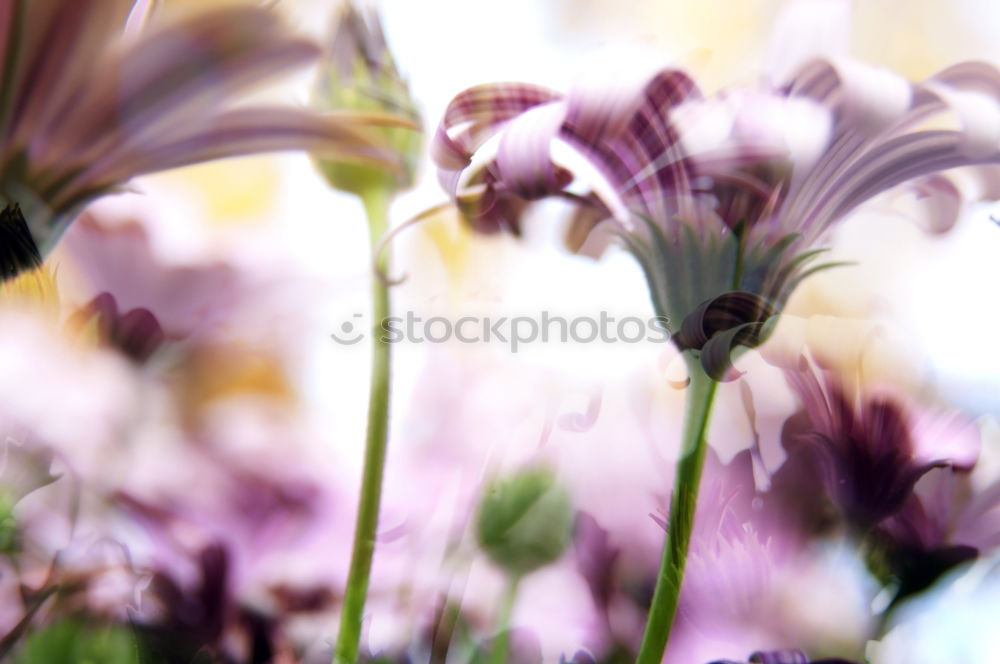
x=524 y=160
x=869 y=98
x=723 y=313
x=473 y=117
x=944 y=201
x=980 y=77
x=979 y=116
x=718 y=326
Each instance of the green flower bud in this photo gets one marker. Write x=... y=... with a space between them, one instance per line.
x=359 y=74
x=525 y=521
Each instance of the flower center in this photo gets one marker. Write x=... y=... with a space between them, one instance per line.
x=18 y=251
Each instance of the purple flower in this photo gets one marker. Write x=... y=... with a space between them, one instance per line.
x=82 y=110
x=866 y=448
x=784 y=657
x=949 y=519
x=730 y=191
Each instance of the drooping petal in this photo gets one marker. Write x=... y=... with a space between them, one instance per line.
x=472 y=118
x=240 y=132
x=879 y=140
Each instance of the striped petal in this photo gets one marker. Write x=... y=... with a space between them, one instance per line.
x=628 y=139
x=178 y=74
x=241 y=132
x=473 y=117
x=524 y=159
x=55 y=47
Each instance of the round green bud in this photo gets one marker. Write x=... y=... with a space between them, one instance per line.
x=525 y=521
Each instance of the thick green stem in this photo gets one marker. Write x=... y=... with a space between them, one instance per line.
x=349 y=637
x=680 y=523
x=502 y=642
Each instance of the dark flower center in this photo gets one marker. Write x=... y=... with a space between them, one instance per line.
x=18 y=251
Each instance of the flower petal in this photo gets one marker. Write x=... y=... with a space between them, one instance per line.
x=473 y=117
x=241 y=132
x=524 y=159
x=177 y=75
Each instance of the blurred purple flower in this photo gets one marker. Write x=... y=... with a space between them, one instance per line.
x=82 y=110
x=865 y=447
x=784 y=657
x=948 y=520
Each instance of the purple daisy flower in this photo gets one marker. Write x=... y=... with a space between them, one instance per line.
x=83 y=110
x=721 y=198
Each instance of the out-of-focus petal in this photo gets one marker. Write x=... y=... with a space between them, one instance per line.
x=244 y=131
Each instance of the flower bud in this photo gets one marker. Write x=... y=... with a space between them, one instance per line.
x=359 y=74
x=525 y=521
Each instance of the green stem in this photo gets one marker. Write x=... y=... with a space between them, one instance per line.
x=680 y=523
x=502 y=642
x=376 y=202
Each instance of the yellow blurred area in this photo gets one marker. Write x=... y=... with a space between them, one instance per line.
x=916 y=39
x=229 y=192
x=217 y=372
x=723 y=41
x=183 y=7
x=35 y=289
x=452 y=240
